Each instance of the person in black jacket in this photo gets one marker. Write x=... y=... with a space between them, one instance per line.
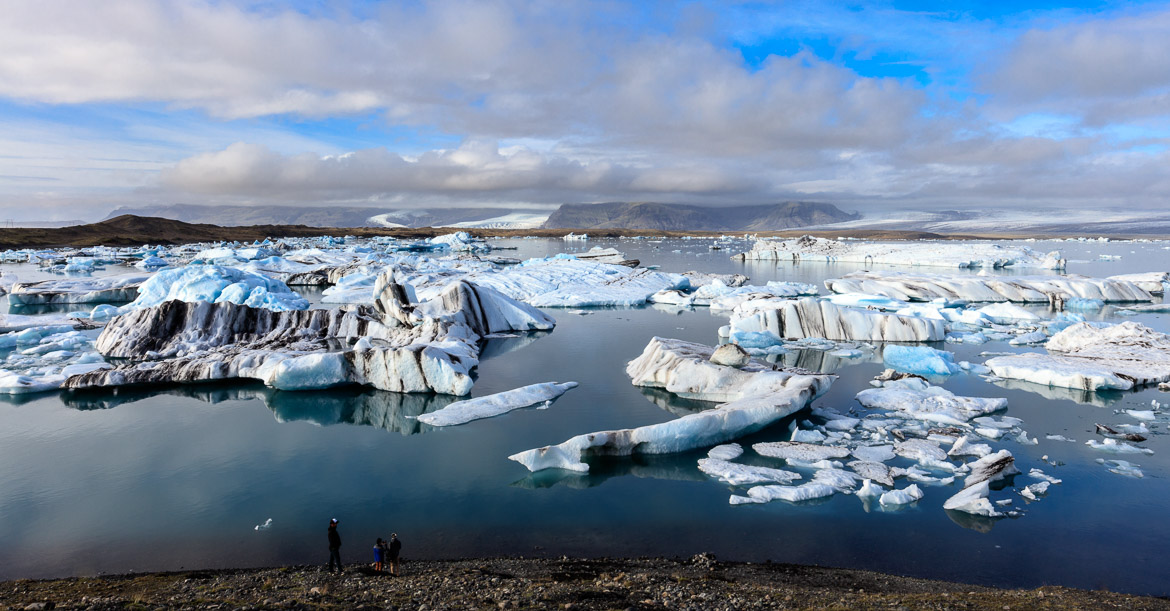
x=334 y=546
x=395 y=547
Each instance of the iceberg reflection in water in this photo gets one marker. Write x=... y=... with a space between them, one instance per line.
x=394 y=412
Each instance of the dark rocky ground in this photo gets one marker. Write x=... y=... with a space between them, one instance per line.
x=700 y=583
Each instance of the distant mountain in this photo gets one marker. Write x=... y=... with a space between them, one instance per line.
x=341 y=216
x=679 y=217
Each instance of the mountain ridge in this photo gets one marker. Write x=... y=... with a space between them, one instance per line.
x=684 y=217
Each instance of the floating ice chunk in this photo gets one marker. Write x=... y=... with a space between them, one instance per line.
x=1023 y=439
x=921 y=360
x=920 y=450
x=1122 y=467
x=963 y=447
x=460 y=241
x=1153 y=282
x=1007 y=313
x=1020 y=289
x=1040 y=475
x=973 y=499
x=792 y=494
x=743 y=475
x=461 y=412
x=875 y=471
x=1059 y=438
x=1029 y=339
x=878 y=454
x=1141 y=414
x=991 y=468
x=727 y=451
x=974 y=368
x=1080 y=304
x=905 y=496
x=808 y=436
x=791 y=450
x=265 y=526
x=869 y=491
x=1033 y=492
x=1088 y=357
x=836 y=477
x=569 y=283
x=1117 y=447
x=858 y=300
x=915 y=398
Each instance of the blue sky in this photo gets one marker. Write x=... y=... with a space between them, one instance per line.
x=872 y=106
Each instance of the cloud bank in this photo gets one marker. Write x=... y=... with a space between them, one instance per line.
x=546 y=102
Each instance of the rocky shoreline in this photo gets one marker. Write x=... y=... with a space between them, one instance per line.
x=700 y=583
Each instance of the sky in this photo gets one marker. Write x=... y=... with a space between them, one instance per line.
x=871 y=106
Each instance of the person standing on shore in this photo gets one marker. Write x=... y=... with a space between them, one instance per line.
x=395 y=548
x=379 y=552
x=334 y=545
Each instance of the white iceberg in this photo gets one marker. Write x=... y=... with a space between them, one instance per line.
x=973 y=499
x=904 y=496
x=215 y=284
x=742 y=475
x=461 y=412
x=1089 y=357
x=568 y=282
x=792 y=494
x=920 y=360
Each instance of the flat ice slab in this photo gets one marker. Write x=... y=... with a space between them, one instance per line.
x=1087 y=357
x=757 y=396
x=571 y=283
x=912 y=286
x=932 y=254
x=919 y=400
x=461 y=412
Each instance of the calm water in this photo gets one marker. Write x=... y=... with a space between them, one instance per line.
x=178 y=477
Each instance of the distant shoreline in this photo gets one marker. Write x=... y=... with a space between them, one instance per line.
x=131 y=230
x=700 y=582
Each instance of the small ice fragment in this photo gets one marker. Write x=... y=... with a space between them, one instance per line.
x=265 y=526
x=1038 y=474
x=1141 y=414
x=909 y=494
x=1117 y=447
x=1059 y=438
x=727 y=451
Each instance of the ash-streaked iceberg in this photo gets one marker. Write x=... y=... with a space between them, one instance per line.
x=908 y=286
x=813 y=318
x=756 y=395
x=461 y=412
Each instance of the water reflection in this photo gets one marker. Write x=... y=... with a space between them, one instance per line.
x=493 y=347
x=675 y=404
x=394 y=412
x=670 y=467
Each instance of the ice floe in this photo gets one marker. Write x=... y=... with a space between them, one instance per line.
x=76 y=290
x=461 y=412
x=759 y=323
x=915 y=398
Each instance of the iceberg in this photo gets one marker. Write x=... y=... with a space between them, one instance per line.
x=796 y=450
x=1154 y=282
x=756 y=396
x=1021 y=289
x=812 y=318
x=76 y=290
x=933 y=254
x=397 y=344
x=461 y=412
x=991 y=468
x=1089 y=357
x=915 y=398
x=215 y=284
x=920 y=360
x=973 y=500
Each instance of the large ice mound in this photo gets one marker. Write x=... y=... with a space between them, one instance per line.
x=1026 y=289
x=933 y=254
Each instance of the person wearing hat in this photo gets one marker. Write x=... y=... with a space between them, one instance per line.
x=334 y=545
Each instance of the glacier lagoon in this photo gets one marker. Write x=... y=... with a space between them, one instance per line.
x=157 y=479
